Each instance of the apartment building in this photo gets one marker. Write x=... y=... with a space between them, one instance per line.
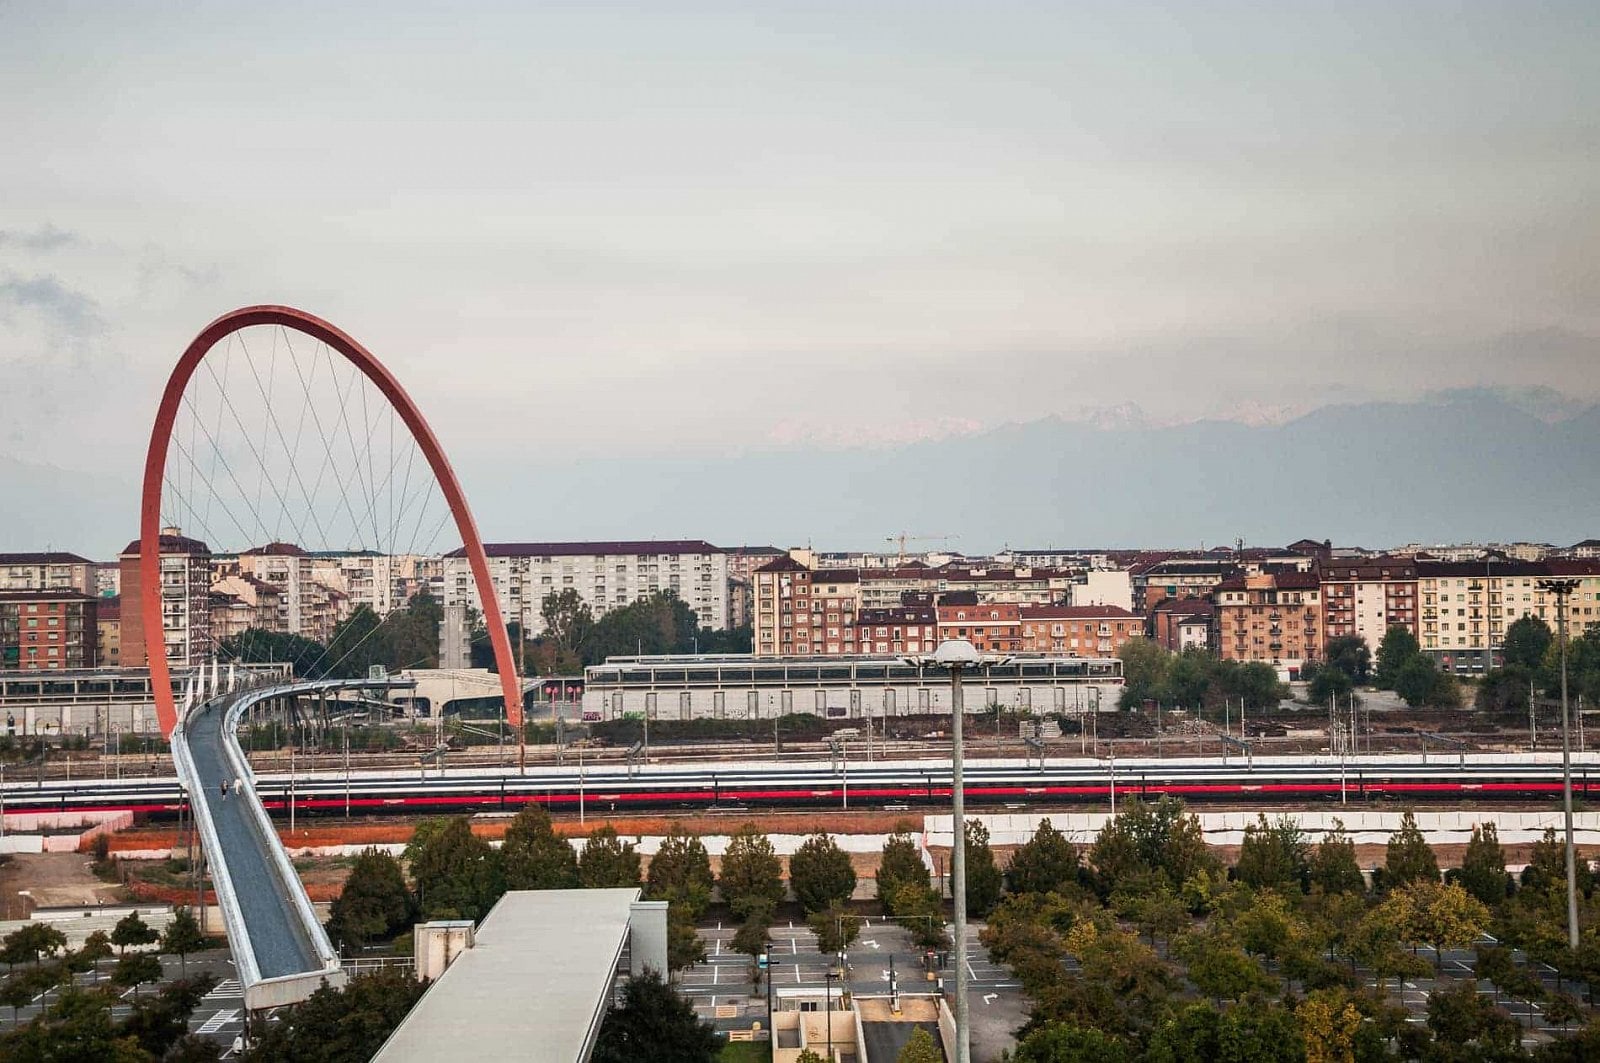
x=908 y=629
x=1181 y=623
x=47 y=630
x=246 y=600
x=1011 y=586
x=1466 y=606
x=798 y=611
x=47 y=571
x=605 y=575
x=1077 y=630
x=108 y=632
x=1270 y=617
x=742 y=564
x=992 y=627
x=185 y=569
x=1367 y=598
x=308 y=606
x=1179 y=577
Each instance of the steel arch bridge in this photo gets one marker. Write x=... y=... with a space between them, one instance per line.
x=161 y=438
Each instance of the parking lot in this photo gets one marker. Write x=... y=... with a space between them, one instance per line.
x=219 y=1016
x=722 y=990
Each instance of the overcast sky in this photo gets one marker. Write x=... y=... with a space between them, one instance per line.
x=670 y=228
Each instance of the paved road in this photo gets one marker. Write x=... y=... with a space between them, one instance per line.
x=279 y=942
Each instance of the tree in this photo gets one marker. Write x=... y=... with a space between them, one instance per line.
x=983 y=876
x=345 y=1025
x=1408 y=857
x=684 y=947
x=680 y=872
x=1219 y=968
x=1458 y=1016
x=1273 y=855
x=752 y=875
x=1159 y=913
x=821 y=874
x=1349 y=655
x=1527 y=641
x=567 y=623
x=134 y=969
x=1483 y=866
x=919 y=908
x=808 y=1056
x=753 y=936
x=457 y=874
x=1328 y=684
x=900 y=865
x=130 y=931
x=17 y=991
x=607 y=862
x=183 y=936
x=160 y=1021
x=920 y=1048
x=1329 y=1023
x=374 y=903
x=1398 y=648
x=1547 y=867
x=1148 y=840
x=1333 y=863
x=1443 y=917
x=835 y=928
x=31 y=941
x=534 y=857
x=654 y=1023
x=1045 y=863
x=1144 y=671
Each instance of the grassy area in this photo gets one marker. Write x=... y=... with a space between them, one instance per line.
x=743 y=1052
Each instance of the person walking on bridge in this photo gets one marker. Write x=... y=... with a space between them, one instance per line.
x=238 y=785
x=224 y=787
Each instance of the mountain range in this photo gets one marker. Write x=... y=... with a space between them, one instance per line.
x=1467 y=465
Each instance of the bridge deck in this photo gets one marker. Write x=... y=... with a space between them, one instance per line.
x=277 y=939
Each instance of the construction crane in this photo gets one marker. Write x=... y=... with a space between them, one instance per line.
x=906 y=537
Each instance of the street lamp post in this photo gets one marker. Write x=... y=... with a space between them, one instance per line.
x=1563 y=589
x=958 y=656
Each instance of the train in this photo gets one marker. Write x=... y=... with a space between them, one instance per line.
x=895 y=785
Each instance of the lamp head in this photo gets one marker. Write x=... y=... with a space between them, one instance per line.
x=956 y=653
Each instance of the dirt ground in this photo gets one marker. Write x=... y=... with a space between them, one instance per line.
x=51 y=880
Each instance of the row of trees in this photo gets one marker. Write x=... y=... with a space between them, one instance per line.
x=1194 y=678
x=457 y=875
x=406 y=638
x=1532 y=662
x=573 y=637
x=1289 y=951
x=77 y=1022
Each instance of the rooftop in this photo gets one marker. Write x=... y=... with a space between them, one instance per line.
x=45 y=558
x=595 y=549
x=533 y=988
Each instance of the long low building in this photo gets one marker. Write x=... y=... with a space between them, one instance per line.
x=749 y=688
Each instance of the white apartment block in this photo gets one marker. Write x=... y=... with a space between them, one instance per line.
x=1467 y=606
x=605 y=575
x=1102 y=587
x=48 y=571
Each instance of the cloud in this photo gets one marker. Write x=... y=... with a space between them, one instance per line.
x=43 y=238
x=56 y=305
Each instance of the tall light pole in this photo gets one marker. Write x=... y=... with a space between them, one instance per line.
x=1563 y=589
x=958 y=656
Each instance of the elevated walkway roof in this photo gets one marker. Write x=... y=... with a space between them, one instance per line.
x=534 y=987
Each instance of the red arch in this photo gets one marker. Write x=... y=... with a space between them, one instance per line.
x=156 y=461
